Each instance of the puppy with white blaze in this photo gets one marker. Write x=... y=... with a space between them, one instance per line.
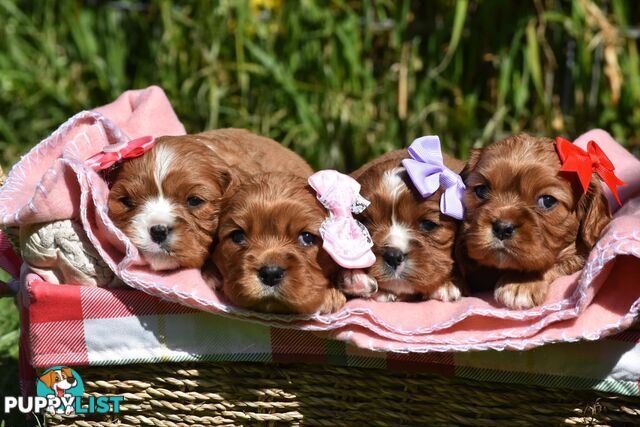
x=167 y=201
x=415 y=210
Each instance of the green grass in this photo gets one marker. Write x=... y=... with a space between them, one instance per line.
x=339 y=81
x=9 y=332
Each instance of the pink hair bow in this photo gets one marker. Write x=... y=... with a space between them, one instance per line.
x=113 y=153
x=427 y=172
x=345 y=238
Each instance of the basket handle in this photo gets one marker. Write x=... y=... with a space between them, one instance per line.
x=10 y=262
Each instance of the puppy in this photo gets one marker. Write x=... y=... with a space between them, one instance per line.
x=526 y=223
x=269 y=254
x=167 y=201
x=412 y=239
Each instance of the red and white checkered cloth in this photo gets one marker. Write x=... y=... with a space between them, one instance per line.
x=80 y=326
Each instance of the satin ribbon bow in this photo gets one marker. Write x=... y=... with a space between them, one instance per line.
x=345 y=239
x=428 y=173
x=586 y=163
x=113 y=153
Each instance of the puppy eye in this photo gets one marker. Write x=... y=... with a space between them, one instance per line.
x=238 y=237
x=306 y=239
x=126 y=200
x=194 y=201
x=547 y=202
x=482 y=191
x=427 y=225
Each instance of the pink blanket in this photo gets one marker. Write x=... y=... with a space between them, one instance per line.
x=51 y=182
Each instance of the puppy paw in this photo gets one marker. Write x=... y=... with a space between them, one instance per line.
x=334 y=301
x=520 y=295
x=384 y=296
x=447 y=292
x=357 y=283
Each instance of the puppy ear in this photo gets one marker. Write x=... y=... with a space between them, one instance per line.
x=474 y=157
x=229 y=183
x=333 y=301
x=211 y=274
x=594 y=214
x=227 y=180
x=48 y=379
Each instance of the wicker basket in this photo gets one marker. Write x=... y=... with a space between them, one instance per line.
x=212 y=393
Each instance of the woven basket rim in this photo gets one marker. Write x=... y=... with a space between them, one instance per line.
x=241 y=393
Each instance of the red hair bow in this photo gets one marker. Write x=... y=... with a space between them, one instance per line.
x=586 y=163
x=115 y=152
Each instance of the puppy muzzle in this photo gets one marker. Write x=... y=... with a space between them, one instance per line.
x=271 y=275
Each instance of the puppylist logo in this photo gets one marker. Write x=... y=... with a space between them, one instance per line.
x=59 y=391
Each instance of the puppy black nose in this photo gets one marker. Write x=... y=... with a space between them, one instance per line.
x=159 y=233
x=503 y=230
x=271 y=275
x=393 y=257
x=71 y=380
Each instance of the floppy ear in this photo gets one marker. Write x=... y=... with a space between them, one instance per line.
x=48 y=379
x=474 y=156
x=210 y=272
x=228 y=180
x=228 y=183
x=594 y=214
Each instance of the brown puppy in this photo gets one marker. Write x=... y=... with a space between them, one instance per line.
x=413 y=240
x=526 y=224
x=269 y=253
x=167 y=201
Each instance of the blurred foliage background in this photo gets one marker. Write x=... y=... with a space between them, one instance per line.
x=338 y=81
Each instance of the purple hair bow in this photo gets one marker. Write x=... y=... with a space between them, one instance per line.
x=345 y=238
x=428 y=173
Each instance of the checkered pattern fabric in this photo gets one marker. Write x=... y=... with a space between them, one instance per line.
x=80 y=326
